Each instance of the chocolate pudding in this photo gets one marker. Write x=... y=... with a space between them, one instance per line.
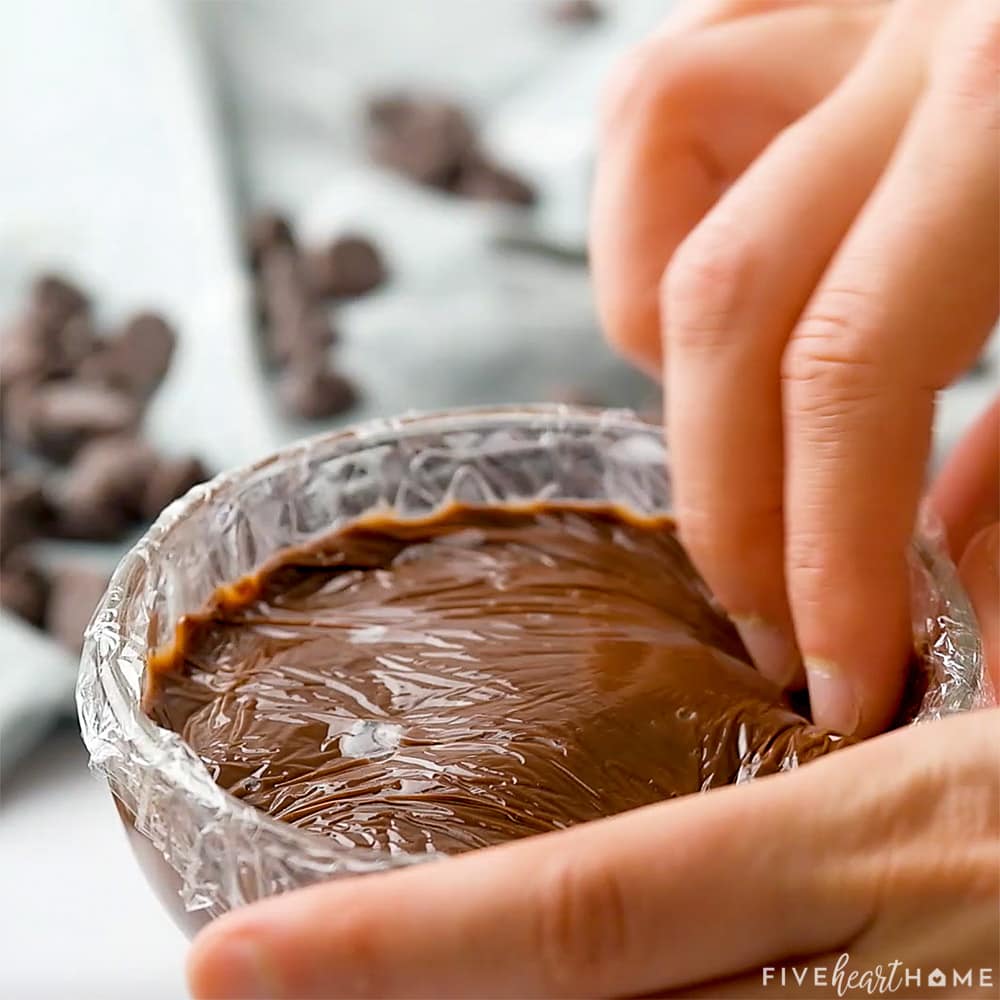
x=483 y=674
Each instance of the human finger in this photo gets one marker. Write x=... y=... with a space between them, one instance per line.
x=683 y=116
x=903 y=309
x=732 y=295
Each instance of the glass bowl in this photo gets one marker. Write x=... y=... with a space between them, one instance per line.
x=205 y=851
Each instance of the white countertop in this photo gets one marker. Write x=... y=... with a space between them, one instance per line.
x=79 y=921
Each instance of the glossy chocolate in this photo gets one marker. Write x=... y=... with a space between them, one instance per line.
x=480 y=675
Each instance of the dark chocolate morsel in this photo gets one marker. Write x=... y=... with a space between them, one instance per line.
x=170 y=479
x=423 y=138
x=75 y=593
x=24 y=588
x=146 y=347
x=57 y=418
x=577 y=11
x=265 y=231
x=314 y=392
x=33 y=349
x=24 y=512
x=285 y=303
x=54 y=300
x=351 y=265
x=484 y=180
x=102 y=493
x=135 y=361
x=23 y=354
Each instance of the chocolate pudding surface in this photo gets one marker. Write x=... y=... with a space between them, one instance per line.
x=482 y=674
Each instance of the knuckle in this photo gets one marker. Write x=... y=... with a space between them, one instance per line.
x=707 y=282
x=657 y=76
x=806 y=566
x=834 y=352
x=951 y=845
x=583 y=930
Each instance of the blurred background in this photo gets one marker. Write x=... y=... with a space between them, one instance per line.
x=224 y=225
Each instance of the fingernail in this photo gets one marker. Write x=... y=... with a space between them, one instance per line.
x=831 y=695
x=770 y=648
x=231 y=968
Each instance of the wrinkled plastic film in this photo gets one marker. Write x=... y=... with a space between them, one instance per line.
x=223 y=851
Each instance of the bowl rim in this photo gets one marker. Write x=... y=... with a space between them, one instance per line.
x=163 y=749
x=175 y=762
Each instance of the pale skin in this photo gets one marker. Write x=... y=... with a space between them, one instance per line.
x=795 y=227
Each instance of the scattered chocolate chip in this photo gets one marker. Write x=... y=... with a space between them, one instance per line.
x=23 y=354
x=296 y=325
x=74 y=594
x=75 y=341
x=170 y=479
x=54 y=300
x=266 y=231
x=135 y=361
x=314 y=392
x=102 y=493
x=34 y=349
x=24 y=511
x=56 y=418
x=423 y=138
x=481 y=179
x=433 y=142
x=24 y=588
x=577 y=12
x=351 y=265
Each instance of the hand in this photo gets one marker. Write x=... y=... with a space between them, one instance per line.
x=889 y=851
x=796 y=210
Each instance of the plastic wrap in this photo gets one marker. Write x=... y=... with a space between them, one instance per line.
x=224 y=852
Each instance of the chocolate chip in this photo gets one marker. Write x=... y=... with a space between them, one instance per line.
x=56 y=418
x=265 y=231
x=135 y=361
x=54 y=300
x=24 y=511
x=75 y=341
x=34 y=349
x=74 y=595
x=351 y=265
x=315 y=392
x=24 y=588
x=482 y=179
x=295 y=323
x=170 y=479
x=102 y=493
x=421 y=137
x=23 y=354
x=577 y=12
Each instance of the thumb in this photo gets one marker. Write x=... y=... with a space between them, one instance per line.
x=628 y=905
